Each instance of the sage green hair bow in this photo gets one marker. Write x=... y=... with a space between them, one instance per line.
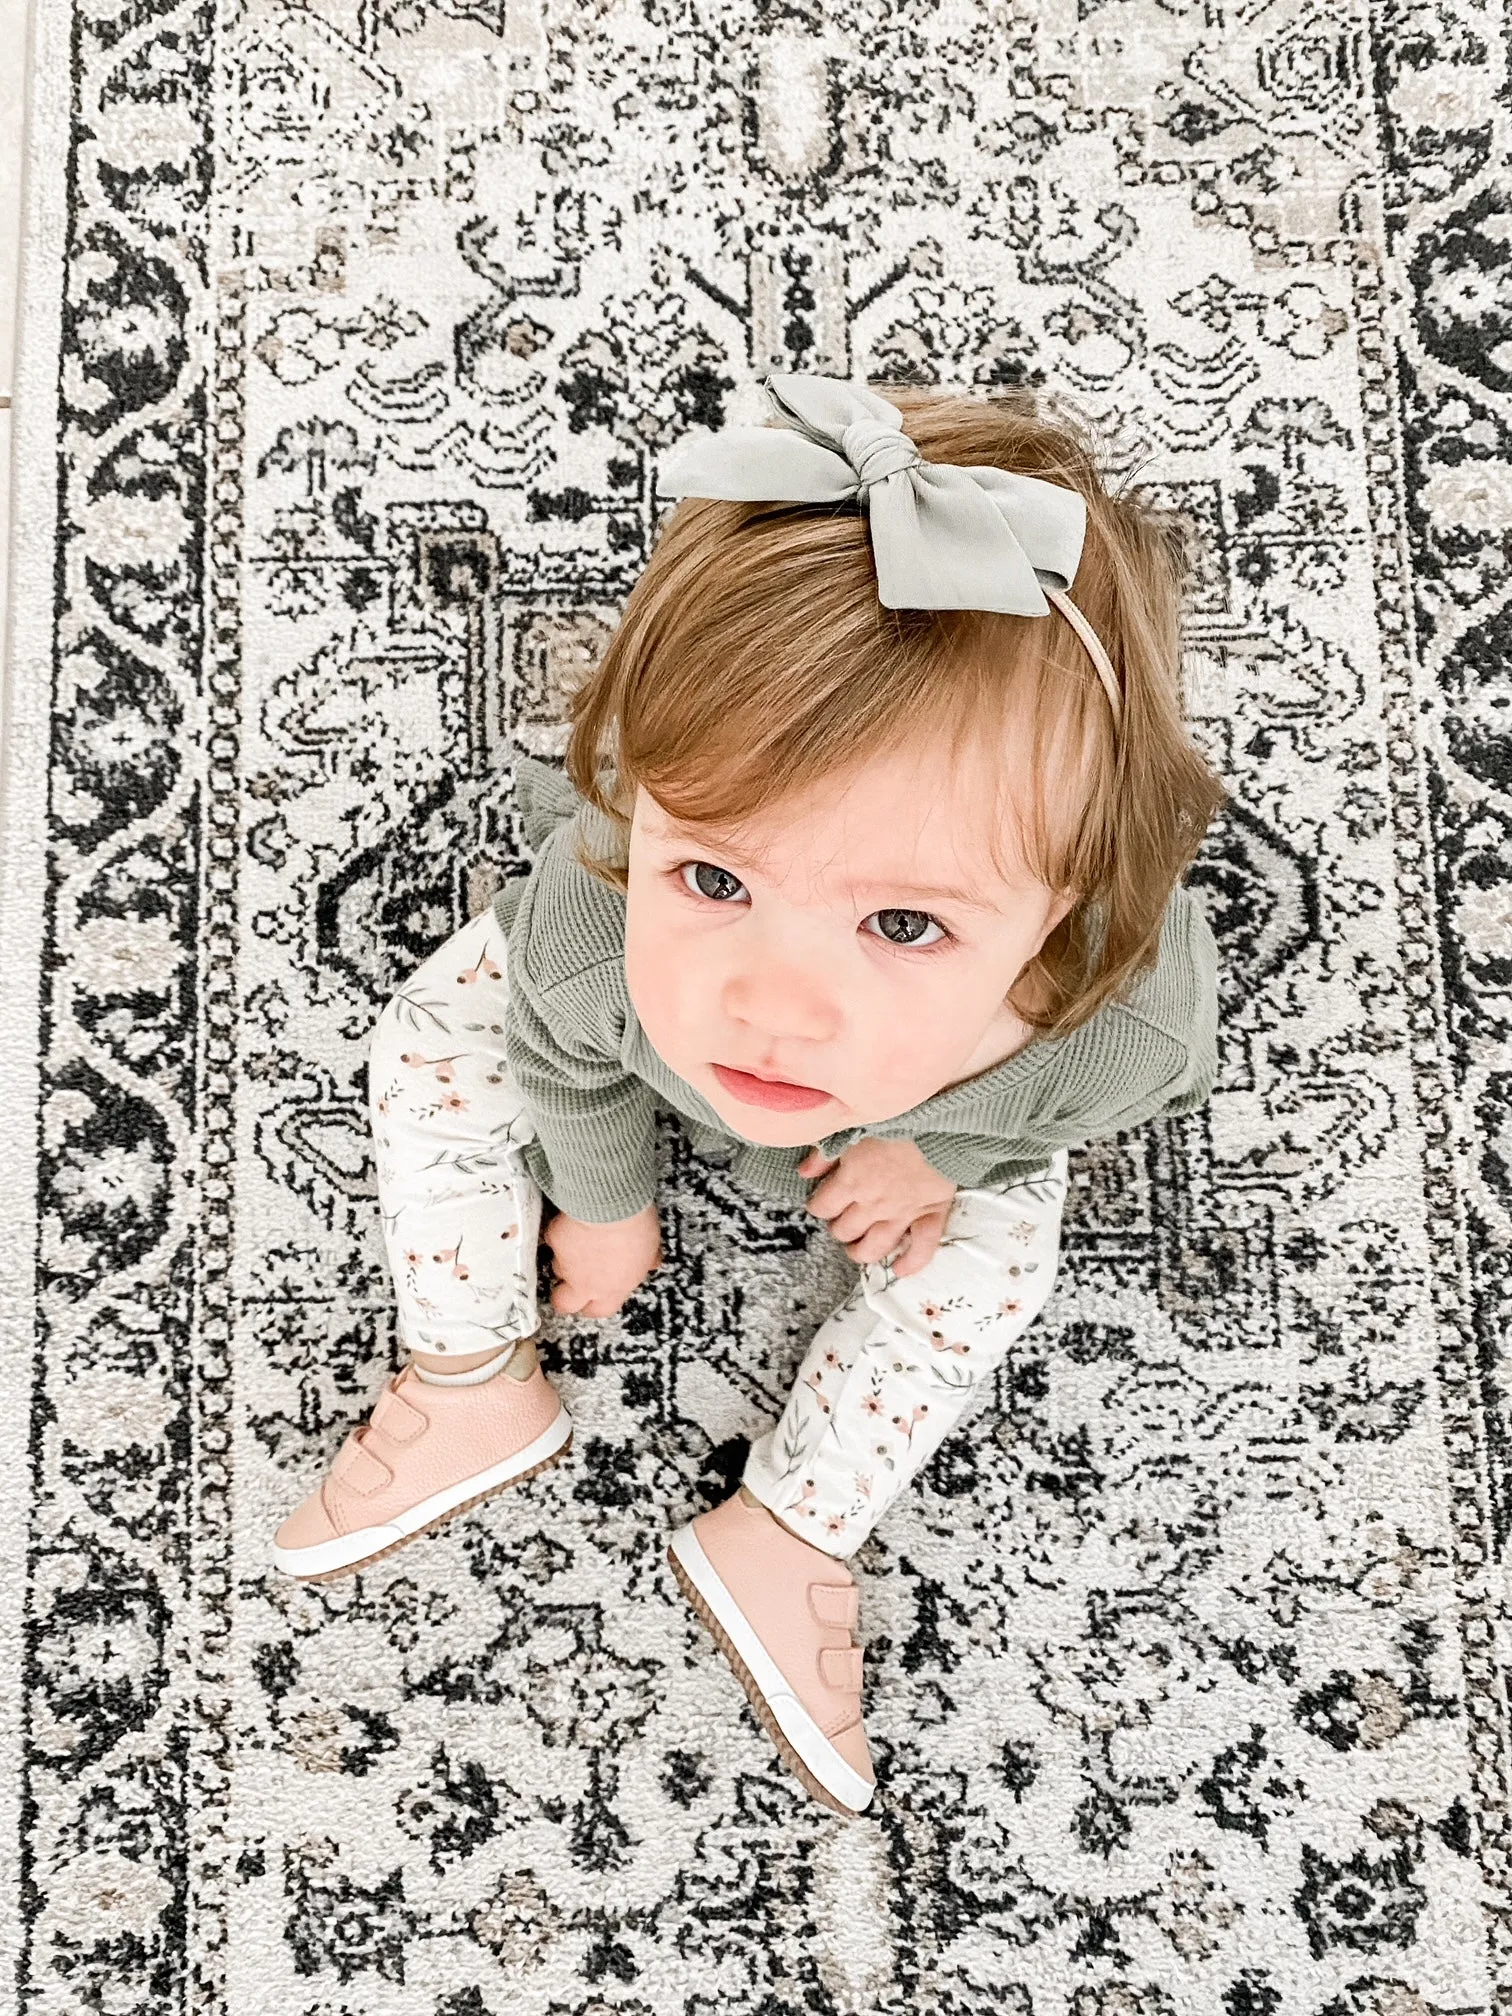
x=944 y=535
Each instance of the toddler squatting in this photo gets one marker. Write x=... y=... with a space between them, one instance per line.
x=867 y=863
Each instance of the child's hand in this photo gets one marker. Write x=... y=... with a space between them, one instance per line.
x=877 y=1193
x=598 y=1267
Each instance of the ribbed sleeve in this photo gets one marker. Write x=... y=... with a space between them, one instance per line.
x=594 y=1154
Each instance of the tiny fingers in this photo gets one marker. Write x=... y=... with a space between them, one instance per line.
x=912 y=1260
x=573 y=1302
x=872 y=1245
x=923 y=1243
x=855 y=1222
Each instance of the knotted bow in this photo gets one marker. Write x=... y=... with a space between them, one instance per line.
x=944 y=535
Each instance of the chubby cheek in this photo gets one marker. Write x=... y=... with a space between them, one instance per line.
x=901 y=1064
x=657 y=981
x=647 y=980
x=916 y=1044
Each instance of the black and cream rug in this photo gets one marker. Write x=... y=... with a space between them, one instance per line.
x=353 y=329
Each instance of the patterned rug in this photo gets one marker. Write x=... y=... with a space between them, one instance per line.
x=352 y=334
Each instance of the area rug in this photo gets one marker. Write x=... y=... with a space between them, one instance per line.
x=353 y=331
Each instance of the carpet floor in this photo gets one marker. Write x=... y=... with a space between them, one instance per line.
x=352 y=331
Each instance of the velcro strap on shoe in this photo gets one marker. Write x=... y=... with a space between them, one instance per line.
x=357 y=1469
x=840 y=1666
x=396 y=1418
x=837 y=1603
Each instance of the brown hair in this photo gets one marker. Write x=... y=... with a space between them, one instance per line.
x=753 y=659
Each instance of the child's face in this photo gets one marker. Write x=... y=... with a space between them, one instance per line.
x=782 y=958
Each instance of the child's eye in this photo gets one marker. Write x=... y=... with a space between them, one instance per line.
x=905 y=927
x=715 y=883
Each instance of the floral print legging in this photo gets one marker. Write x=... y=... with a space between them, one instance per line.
x=888 y=1374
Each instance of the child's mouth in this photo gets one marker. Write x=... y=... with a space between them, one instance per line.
x=767 y=1091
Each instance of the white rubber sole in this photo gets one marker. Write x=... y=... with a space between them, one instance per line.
x=802 y=1732
x=329 y=1557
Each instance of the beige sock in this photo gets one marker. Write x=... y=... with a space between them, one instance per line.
x=524 y=1361
x=519 y=1364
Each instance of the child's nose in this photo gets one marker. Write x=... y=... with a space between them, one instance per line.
x=780 y=1001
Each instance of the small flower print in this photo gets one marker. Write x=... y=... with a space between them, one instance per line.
x=442 y=1066
x=813 y=1381
x=452 y=1256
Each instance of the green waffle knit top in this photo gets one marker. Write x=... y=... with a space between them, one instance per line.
x=592 y=1083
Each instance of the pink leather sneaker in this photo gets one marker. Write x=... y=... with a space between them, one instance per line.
x=782 y=1613
x=425 y=1453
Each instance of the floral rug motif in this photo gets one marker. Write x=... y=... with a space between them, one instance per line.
x=352 y=335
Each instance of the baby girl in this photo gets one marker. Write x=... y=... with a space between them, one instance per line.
x=867 y=863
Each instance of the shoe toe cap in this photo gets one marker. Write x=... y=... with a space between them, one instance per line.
x=308 y=1525
x=853 y=1747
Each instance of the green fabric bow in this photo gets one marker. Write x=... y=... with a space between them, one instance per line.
x=944 y=535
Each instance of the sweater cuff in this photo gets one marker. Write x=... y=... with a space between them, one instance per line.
x=960 y=1159
x=601 y=1188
